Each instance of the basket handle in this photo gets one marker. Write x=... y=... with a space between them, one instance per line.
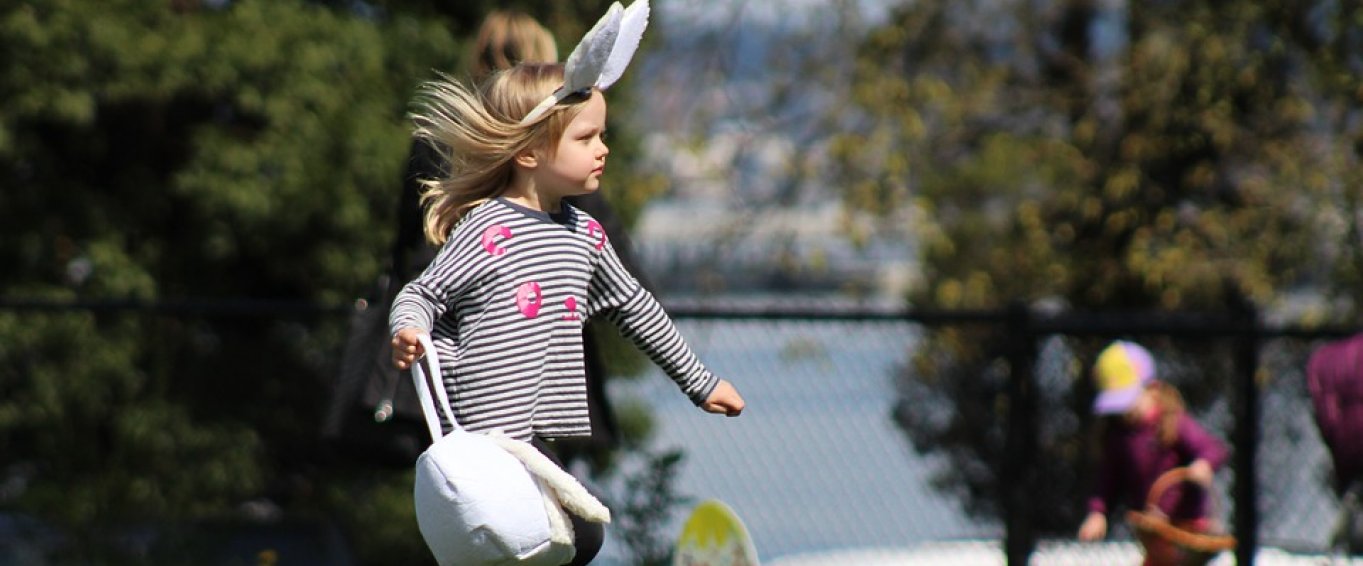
x=1162 y=484
x=1169 y=479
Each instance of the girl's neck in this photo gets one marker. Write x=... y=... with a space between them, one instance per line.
x=523 y=192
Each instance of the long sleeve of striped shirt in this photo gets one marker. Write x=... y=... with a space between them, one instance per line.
x=639 y=317
x=505 y=301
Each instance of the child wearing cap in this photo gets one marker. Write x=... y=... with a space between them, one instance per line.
x=1147 y=433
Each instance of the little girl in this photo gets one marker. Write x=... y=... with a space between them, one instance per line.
x=1148 y=432
x=520 y=271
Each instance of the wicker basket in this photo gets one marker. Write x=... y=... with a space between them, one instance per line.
x=1169 y=544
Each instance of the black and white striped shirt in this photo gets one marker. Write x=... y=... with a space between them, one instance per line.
x=505 y=301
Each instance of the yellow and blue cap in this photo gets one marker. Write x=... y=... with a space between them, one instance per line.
x=1123 y=369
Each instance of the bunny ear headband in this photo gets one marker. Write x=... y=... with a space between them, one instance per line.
x=602 y=55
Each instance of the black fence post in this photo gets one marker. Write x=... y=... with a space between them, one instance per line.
x=1018 y=467
x=1246 y=435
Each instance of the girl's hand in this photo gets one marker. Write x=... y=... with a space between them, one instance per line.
x=724 y=400
x=1201 y=472
x=1094 y=527
x=406 y=347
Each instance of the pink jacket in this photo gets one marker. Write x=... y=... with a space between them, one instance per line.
x=1133 y=458
x=1334 y=377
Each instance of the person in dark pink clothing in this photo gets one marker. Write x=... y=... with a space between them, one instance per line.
x=1334 y=378
x=1146 y=432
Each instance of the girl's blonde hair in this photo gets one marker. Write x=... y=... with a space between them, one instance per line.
x=478 y=133
x=1171 y=407
x=508 y=38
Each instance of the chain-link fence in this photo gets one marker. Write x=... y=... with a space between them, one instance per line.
x=816 y=461
x=827 y=460
x=820 y=462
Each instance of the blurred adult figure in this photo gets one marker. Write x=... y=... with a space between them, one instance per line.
x=1334 y=378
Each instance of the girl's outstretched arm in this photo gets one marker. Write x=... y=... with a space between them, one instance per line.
x=639 y=317
x=1198 y=444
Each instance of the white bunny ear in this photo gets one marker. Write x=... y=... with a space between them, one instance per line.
x=584 y=64
x=602 y=55
x=632 y=24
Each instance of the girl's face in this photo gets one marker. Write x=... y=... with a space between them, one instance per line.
x=1144 y=409
x=580 y=157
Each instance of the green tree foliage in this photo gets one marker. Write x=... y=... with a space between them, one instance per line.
x=1128 y=155
x=649 y=497
x=183 y=152
x=172 y=151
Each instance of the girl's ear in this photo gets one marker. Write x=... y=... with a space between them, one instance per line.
x=527 y=159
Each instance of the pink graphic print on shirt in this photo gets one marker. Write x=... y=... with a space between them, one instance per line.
x=594 y=230
x=528 y=299
x=489 y=239
x=570 y=303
